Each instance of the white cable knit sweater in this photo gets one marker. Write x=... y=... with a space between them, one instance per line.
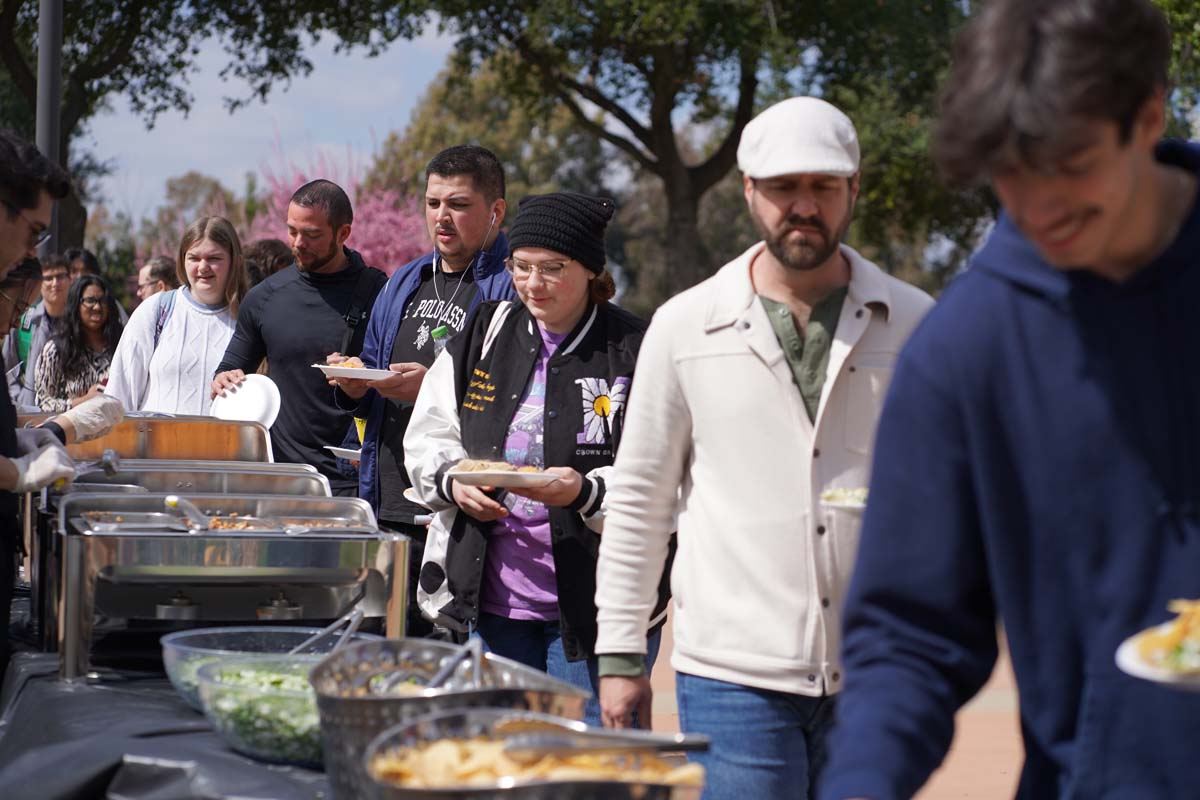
x=175 y=377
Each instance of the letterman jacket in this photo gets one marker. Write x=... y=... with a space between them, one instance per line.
x=463 y=411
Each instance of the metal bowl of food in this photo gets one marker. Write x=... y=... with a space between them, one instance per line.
x=367 y=688
x=185 y=652
x=467 y=754
x=264 y=707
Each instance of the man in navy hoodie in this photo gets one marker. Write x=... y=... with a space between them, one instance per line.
x=425 y=301
x=1038 y=457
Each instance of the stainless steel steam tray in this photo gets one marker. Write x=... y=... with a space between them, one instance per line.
x=199 y=478
x=253 y=516
x=152 y=464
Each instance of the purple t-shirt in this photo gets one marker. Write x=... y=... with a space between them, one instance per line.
x=518 y=575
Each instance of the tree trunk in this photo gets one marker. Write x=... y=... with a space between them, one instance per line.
x=687 y=261
x=72 y=215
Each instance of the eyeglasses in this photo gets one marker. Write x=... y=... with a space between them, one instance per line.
x=37 y=236
x=18 y=308
x=58 y=276
x=147 y=284
x=91 y=302
x=550 y=271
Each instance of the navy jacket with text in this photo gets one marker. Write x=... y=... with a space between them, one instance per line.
x=1037 y=461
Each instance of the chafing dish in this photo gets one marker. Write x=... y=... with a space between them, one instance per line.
x=204 y=438
x=131 y=566
x=139 y=476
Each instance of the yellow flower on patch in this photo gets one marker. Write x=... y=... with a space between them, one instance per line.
x=600 y=403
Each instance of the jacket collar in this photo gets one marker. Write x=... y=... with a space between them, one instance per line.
x=733 y=291
x=487 y=263
x=586 y=324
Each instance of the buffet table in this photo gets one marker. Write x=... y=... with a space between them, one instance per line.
x=129 y=737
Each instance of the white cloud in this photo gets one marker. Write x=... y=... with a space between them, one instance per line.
x=347 y=104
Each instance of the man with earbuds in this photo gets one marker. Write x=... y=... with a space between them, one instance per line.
x=424 y=303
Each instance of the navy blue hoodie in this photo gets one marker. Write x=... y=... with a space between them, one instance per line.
x=1038 y=460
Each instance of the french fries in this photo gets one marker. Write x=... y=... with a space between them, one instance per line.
x=479 y=762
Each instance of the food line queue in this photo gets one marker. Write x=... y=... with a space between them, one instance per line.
x=1038 y=457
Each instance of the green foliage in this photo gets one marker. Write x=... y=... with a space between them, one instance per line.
x=1184 y=19
x=111 y=238
x=146 y=51
x=540 y=145
x=669 y=86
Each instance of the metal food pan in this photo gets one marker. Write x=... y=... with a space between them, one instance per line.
x=273 y=467
x=181 y=438
x=206 y=481
x=481 y=723
x=350 y=721
x=328 y=515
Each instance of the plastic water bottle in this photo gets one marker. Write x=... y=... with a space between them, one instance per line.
x=440 y=336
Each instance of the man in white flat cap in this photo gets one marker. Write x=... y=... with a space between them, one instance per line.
x=758 y=393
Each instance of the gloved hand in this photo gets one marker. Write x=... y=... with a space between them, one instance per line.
x=43 y=461
x=93 y=418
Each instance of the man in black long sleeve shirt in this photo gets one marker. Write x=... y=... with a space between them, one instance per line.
x=295 y=319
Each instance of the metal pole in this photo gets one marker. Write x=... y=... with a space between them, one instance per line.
x=49 y=94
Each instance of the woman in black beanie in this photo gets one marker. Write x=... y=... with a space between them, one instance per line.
x=541 y=384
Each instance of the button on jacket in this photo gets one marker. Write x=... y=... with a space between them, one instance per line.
x=717 y=431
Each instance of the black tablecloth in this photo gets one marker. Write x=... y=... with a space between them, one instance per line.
x=128 y=737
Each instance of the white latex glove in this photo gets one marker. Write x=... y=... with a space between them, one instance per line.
x=94 y=418
x=41 y=466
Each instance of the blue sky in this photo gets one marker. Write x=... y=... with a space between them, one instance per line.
x=347 y=105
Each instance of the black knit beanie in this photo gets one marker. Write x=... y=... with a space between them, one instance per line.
x=569 y=223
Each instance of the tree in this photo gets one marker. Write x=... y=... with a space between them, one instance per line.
x=653 y=68
x=388 y=229
x=145 y=50
x=541 y=146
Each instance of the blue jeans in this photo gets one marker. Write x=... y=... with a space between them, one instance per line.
x=539 y=645
x=764 y=744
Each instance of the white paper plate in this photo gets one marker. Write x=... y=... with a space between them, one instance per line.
x=344 y=452
x=410 y=494
x=1130 y=661
x=502 y=478
x=256 y=399
x=360 y=373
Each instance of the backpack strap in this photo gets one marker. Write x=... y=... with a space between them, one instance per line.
x=166 y=304
x=24 y=339
x=360 y=306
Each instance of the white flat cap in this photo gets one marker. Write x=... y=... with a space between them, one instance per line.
x=799 y=135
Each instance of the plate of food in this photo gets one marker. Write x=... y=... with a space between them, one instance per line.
x=845 y=499
x=479 y=472
x=353 y=368
x=1168 y=653
x=345 y=452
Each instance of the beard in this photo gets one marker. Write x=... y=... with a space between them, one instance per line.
x=813 y=250
x=318 y=263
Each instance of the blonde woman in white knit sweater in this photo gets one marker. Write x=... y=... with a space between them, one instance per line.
x=174 y=340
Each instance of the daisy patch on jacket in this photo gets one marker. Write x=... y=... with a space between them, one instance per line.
x=603 y=405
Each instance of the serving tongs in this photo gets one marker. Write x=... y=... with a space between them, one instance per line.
x=109 y=462
x=472 y=650
x=194 y=515
x=199 y=521
x=529 y=740
x=351 y=620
